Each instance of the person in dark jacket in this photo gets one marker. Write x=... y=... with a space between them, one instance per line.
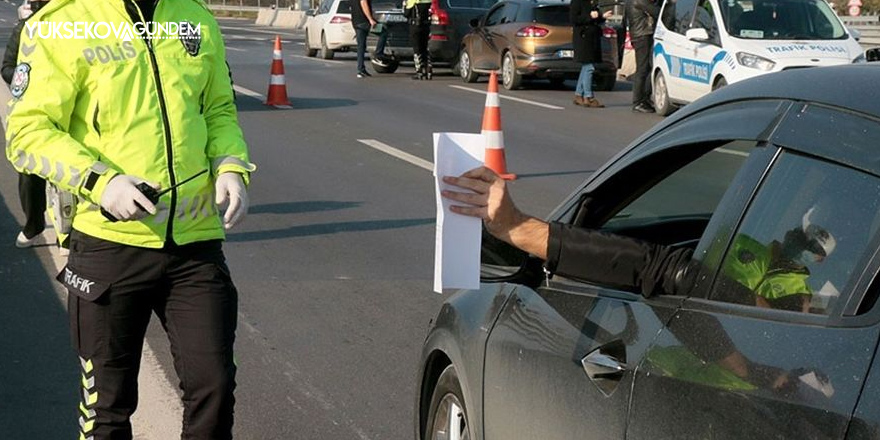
x=419 y=16
x=31 y=187
x=641 y=17
x=587 y=40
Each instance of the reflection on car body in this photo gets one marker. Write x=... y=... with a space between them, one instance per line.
x=768 y=167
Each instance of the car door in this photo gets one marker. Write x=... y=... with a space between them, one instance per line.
x=781 y=343
x=484 y=46
x=677 y=52
x=559 y=360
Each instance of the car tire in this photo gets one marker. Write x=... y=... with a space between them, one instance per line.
x=309 y=51
x=510 y=78
x=391 y=66
x=326 y=52
x=605 y=83
x=660 y=96
x=719 y=83
x=466 y=68
x=447 y=410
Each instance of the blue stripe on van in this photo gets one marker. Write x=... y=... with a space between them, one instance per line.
x=689 y=69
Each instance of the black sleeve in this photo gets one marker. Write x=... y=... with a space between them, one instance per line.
x=10 y=57
x=619 y=262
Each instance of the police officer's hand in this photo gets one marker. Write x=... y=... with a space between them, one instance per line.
x=124 y=201
x=489 y=199
x=231 y=194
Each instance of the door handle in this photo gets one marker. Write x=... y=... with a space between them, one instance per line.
x=599 y=365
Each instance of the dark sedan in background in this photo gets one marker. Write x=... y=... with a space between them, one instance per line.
x=535 y=355
x=531 y=39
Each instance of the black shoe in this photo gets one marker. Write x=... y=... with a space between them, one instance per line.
x=643 y=108
x=363 y=74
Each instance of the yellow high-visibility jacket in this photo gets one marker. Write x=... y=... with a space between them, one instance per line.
x=87 y=109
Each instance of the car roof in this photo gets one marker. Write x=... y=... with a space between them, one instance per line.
x=852 y=87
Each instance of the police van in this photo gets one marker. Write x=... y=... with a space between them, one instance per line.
x=701 y=45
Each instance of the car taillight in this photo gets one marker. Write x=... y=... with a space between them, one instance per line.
x=533 y=32
x=608 y=32
x=339 y=19
x=439 y=16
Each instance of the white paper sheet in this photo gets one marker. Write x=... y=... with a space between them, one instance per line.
x=458 y=237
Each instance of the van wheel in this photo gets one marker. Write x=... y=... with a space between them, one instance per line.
x=326 y=52
x=447 y=415
x=719 y=83
x=465 y=68
x=510 y=78
x=309 y=51
x=662 y=104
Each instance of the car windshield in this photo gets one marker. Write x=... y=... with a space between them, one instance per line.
x=781 y=20
x=556 y=15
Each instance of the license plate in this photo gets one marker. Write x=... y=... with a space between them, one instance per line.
x=395 y=19
x=564 y=54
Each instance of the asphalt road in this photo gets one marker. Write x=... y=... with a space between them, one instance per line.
x=334 y=263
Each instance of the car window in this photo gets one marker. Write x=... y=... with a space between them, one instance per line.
x=689 y=194
x=325 y=6
x=706 y=20
x=677 y=15
x=781 y=19
x=805 y=237
x=344 y=7
x=471 y=4
x=556 y=15
x=494 y=16
x=510 y=11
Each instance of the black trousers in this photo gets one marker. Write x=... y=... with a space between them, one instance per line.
x=32 y=195
x=113 y=291
x=643 y=47
x=419 y=36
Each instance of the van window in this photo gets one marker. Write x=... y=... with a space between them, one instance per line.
x=781 y=19
x=677 y=15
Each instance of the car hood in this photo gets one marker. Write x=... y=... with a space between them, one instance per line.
x=798 y=49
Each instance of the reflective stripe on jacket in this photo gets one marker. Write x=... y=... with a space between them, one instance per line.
x=85 y=110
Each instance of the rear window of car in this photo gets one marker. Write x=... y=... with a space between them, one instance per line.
x=344 y=7
x=552 y=15
x=472 y=4
x=385 y=5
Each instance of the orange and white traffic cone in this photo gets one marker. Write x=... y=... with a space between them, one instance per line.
x=492 y=133
x=277 y=85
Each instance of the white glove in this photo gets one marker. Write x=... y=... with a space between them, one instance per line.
x=231 y=191
x=121 y=198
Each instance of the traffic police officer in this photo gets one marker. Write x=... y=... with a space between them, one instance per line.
x=99 y=115
x=419 y=15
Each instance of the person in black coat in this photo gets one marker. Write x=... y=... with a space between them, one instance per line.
x=31 y=187
x=587 y=40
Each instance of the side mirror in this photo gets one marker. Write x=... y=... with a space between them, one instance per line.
x=311 y=12
x=498 y=259
x=872 y=55
x=856 y=34
x=475 y=23
x=697 y=34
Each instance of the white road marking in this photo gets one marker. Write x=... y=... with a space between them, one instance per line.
x=321 y=60
x=524 y=101
x=402 y=155
x=3 y=20
x=733 y=152
x=248 y=92
x=259 y=31
x=235 y=49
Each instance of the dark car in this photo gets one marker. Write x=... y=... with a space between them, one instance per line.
x=531 y=39
x=535 y=355
x=450 y=21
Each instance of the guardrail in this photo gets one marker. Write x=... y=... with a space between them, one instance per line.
x=868 y=27
x=235 y=8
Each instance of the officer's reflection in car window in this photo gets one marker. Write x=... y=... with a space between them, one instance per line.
x=776 y=273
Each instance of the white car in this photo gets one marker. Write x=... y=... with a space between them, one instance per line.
x=24 y=11
x=329 y=29
x=701 y=45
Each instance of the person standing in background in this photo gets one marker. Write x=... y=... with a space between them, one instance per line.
x=362 y=20
x=586 y=38
x=419 y=16
x=641 y=18
x=31 y=187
